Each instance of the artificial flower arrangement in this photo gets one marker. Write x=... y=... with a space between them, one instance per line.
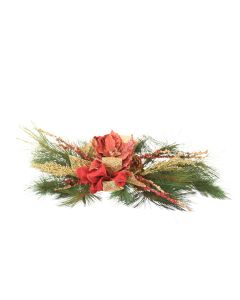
x=132 y=170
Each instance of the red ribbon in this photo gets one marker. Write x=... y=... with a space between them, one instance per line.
x=96 y=173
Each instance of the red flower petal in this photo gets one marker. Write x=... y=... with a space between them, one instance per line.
x=96 y=187
x=82 y=173
x=93 y=176
x=121 y=178
x=127 y=153
x=118 y=140
x=95 y=164
x=98 y=144
x=109 y=144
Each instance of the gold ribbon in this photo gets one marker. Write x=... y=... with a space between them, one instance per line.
x=110 y=186
x=133 y=180
x=113 y=163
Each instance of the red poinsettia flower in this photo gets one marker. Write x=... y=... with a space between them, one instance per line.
x=112 y=145
x=96 y=173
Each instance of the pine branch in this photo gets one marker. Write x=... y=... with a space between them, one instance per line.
x=132 y=196
x=147 y=144
x=125 y=196
x=46 y=150
x=142 y=145
x=198 y=177
x=51 y=185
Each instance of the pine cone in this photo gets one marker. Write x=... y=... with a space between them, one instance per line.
x=136 y=164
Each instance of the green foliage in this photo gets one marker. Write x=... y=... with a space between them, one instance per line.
x=142 y=145
x=133 y=196
x=51 y=185
x=197 y=177
x=147 y=144
x=47 y=150
x=48 y=185
x=126 y=195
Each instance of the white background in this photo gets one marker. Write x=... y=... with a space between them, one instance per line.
x=81 y=68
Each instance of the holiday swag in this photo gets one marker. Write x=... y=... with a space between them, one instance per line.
x=134 y=171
